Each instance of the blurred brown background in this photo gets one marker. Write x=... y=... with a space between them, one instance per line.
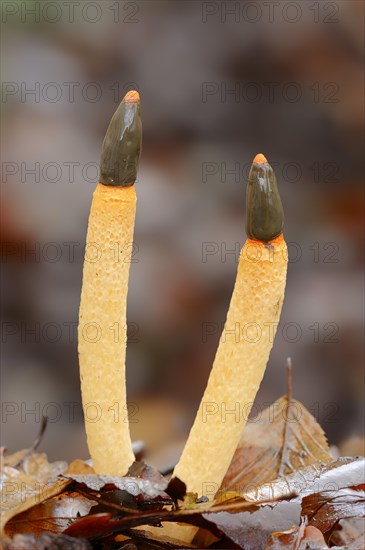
x=219 y=83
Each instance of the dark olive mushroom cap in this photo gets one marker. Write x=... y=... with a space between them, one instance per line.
x=122 y=144
x=264 y=211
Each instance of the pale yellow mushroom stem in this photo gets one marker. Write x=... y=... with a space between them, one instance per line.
x=238 y=368
x=102 y=328
x=102 y=331
x=244 y=347
x=246 y=342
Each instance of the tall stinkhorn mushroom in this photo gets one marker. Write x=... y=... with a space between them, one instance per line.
x=246 y=341
x=102 y=318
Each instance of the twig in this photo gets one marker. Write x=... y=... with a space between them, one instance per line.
x=284 y=454
x=36 y=442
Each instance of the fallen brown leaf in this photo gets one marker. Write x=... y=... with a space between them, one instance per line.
x=144 y=471
x=284 y=457
x=54 y=515
x=252 y=530
x=284 y=439
x=325 y=509
x=133 y=485
x=108 y=522
x=336 y=475
x=33 y=481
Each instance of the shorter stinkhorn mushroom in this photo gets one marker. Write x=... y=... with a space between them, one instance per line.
x=246 y=342
x=102 y=317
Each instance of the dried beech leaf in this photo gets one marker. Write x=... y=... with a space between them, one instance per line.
x=284 y=440
x=248 y=527
x=53 y=515
x=13 y=459
x=326 y=508
x=335 y=475
x=79 y=467
x=32 y=482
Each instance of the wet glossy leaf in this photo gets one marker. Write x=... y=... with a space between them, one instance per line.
x=133 y=485
x=326 y=508
x=252 y=531
x=335 y=475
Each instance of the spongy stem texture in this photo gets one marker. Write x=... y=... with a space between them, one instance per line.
x=238 y=367
x=102 y=330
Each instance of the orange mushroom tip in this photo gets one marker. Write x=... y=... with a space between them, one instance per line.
x=122 y=144
x=259 y=159
x=264 y=210
x=132 y=97
x=276 y=241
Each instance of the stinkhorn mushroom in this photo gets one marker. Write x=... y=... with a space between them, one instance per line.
x=102 y=329
x=246 y=342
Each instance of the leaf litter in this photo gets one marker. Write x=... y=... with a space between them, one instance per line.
x=282 y=490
